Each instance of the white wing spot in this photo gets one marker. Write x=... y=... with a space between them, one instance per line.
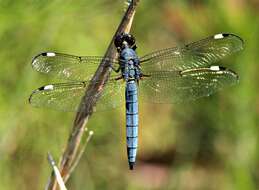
x=49 y=87
x=214 y=68
x=51 y=54
x=177 y=52
x=218 y=36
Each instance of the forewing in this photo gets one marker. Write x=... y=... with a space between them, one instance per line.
x=184 y=86
x=64 y=66
x=67 y=96
x=198 y=54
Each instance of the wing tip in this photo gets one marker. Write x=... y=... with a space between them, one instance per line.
x=230 y=71
x=31 y=96
x=33 y=93
x=234 y=74
x=34 y=59
x=240 y=41
x=43 y=54
x=42 y=88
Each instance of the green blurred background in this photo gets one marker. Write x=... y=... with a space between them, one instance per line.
x=211 y=143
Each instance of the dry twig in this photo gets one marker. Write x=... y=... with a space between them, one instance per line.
x=56 y=172
x=80 y=154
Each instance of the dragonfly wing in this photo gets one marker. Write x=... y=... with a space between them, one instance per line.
x=67 y=96
x=202 y=53
x=184 y=86
x=64 y=66
x=112 y=95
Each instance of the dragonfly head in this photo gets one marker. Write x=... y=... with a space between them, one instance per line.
x=124 y=40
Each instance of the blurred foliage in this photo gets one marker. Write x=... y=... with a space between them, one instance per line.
x=208 y=144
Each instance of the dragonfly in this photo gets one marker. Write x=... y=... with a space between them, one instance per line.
x=178 y=74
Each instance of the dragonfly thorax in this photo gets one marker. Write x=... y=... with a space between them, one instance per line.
x=129 y=64
x=128 y=54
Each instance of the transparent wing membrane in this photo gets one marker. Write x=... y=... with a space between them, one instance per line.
x=64 y=66
x=184 y=86
x=198 y=54
x=67 y=96
x=171 y=75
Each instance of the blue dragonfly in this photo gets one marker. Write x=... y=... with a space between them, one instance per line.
x=172 y=75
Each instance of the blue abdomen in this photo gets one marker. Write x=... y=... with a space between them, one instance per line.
x=132 y=121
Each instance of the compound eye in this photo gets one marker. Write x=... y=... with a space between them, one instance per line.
x=118 y=41
x=130 y=39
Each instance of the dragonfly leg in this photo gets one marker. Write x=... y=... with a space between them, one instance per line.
x=143 y=75
x=116 y=70
x=119 y=78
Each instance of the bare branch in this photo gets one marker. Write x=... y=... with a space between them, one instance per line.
x=80 y=154
x=94 y=91
x=57 y=173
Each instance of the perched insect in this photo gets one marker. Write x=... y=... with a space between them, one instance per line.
x=170 y=75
